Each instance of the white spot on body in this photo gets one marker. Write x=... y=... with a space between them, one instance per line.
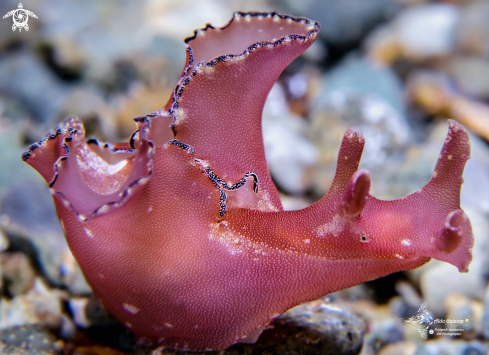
x=114 y=168
x=400 y=257
x=334 y=227
x=88 y=232
x=150 y=209
x=144 y=180
x=105 y=208
x=130 y=308
x=235 y=243
x=406 y=242
x=307 y=241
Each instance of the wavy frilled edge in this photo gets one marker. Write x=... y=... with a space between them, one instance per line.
x=146 y=122
x=64 y=128
x=113 y=147
x=186 y=76
x=50 y=136
x=219 y=183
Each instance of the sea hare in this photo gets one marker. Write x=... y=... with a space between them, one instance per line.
x=181 y=233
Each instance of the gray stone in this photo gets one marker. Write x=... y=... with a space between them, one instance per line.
x=359 y=76
x=384 y=327
x=409 y=173
x=471 y=73
x=419 y=32
x=400 y=348
x=446 y=346
x=152 y=49
x=18 y=273
x=26 y=79
x=485 y=316
x=91 y=50
x=13 y=170
x=314 y=328
x=472 y=31
x=363 y=94
x=290 y=156
x=462 y=308
x=40 y=305
x=27 y=215
x=4 y=241
x=407 y=304
x=28 y=340
x=89 y=312
x=475 y=190
x=343 y=23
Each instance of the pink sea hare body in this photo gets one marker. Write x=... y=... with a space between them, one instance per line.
x=181 y=233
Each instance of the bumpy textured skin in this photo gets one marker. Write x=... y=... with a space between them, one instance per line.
x=181 y=233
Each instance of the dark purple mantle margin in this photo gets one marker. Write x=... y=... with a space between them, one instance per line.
x=72 y=134
x=185 y=78
x=176 y=95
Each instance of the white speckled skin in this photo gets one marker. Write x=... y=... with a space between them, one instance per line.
x=181 y=266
